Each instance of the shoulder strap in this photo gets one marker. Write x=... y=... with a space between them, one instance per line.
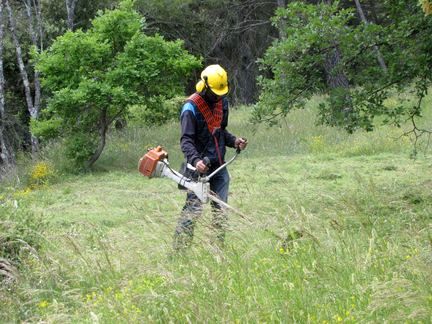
x=213 y=119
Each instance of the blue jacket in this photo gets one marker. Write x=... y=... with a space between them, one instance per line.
x=196 y=141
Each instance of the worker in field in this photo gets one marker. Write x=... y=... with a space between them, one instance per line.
x=204 y=138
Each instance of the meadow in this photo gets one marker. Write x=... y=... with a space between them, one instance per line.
x=338 y=229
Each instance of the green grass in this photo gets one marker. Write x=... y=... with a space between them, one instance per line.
x=339 y=231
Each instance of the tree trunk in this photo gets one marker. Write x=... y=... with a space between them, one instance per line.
x=376 y=49
x=7 y=158
x=70 y=8
x=37 y=5
x=336 y=78
x=21 y=66
x=338 y=82
x=282 y=25
x=34 y=38
x=34 y=113
x=103 y=124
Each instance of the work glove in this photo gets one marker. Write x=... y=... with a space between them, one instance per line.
x=240 y=143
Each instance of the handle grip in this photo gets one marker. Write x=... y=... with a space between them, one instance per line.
x=238 y=148
x=206 y=161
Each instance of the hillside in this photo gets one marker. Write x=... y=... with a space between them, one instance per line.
x=338 y=230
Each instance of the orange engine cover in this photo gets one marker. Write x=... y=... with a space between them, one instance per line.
x=147 y=164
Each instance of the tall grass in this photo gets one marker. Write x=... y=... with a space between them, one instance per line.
x=296 y=134
x=338 y=230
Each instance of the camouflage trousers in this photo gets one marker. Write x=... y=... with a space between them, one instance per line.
x=192 y=210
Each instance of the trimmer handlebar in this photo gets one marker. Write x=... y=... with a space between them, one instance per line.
x=155 y=164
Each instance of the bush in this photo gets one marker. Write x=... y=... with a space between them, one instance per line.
x=45 y=129
x=79 y=147
x=157 y=112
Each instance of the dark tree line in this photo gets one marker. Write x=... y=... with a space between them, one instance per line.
x=233 y=33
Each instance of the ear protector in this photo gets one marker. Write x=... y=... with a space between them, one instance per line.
x=202 y=84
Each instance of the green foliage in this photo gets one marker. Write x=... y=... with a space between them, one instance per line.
x=293 y=66
x=154 y=67
x=296 y=60
x=117 y=27
x=94 y=76
x=158 y=112
x=78 y=147
x=45 y=129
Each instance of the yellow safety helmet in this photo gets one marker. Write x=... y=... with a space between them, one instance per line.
x=216 y=78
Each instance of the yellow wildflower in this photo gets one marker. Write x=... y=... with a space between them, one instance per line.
x=40 y=173
x=43 y=304
x=22 y=193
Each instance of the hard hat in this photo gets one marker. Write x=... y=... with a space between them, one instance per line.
x=216 y=78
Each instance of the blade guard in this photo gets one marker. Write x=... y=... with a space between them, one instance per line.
x=147 y=164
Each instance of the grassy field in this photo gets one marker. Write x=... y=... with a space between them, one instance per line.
x=338 y=230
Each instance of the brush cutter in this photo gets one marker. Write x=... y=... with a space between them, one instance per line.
x=154 y=164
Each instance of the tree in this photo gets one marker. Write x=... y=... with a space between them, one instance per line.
x=308 y=60
x=36 y=40
x=365 y=21
x=70 y=8
x=94 y=76
x=7 y=157
x=32 y=108
x=232 y=33
x=314 y=31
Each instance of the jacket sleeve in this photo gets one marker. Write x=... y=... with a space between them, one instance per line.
x=188 y=135
x=229 y=138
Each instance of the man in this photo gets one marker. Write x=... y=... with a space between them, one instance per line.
x=204 y=138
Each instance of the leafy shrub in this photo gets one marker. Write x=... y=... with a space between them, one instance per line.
x=156 y=112
x=79 y=147
x=322 y=49
x=45 y=129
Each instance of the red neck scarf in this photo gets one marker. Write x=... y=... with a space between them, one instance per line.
x=213 y=119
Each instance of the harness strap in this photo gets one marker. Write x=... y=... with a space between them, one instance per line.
x=212 y=119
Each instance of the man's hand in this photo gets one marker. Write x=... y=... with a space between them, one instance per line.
x=201 y=167
x=240 y=143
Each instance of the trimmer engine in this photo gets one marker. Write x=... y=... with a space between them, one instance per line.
x=148 y=163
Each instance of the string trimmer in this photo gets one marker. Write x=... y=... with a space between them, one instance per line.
x=154 y=164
